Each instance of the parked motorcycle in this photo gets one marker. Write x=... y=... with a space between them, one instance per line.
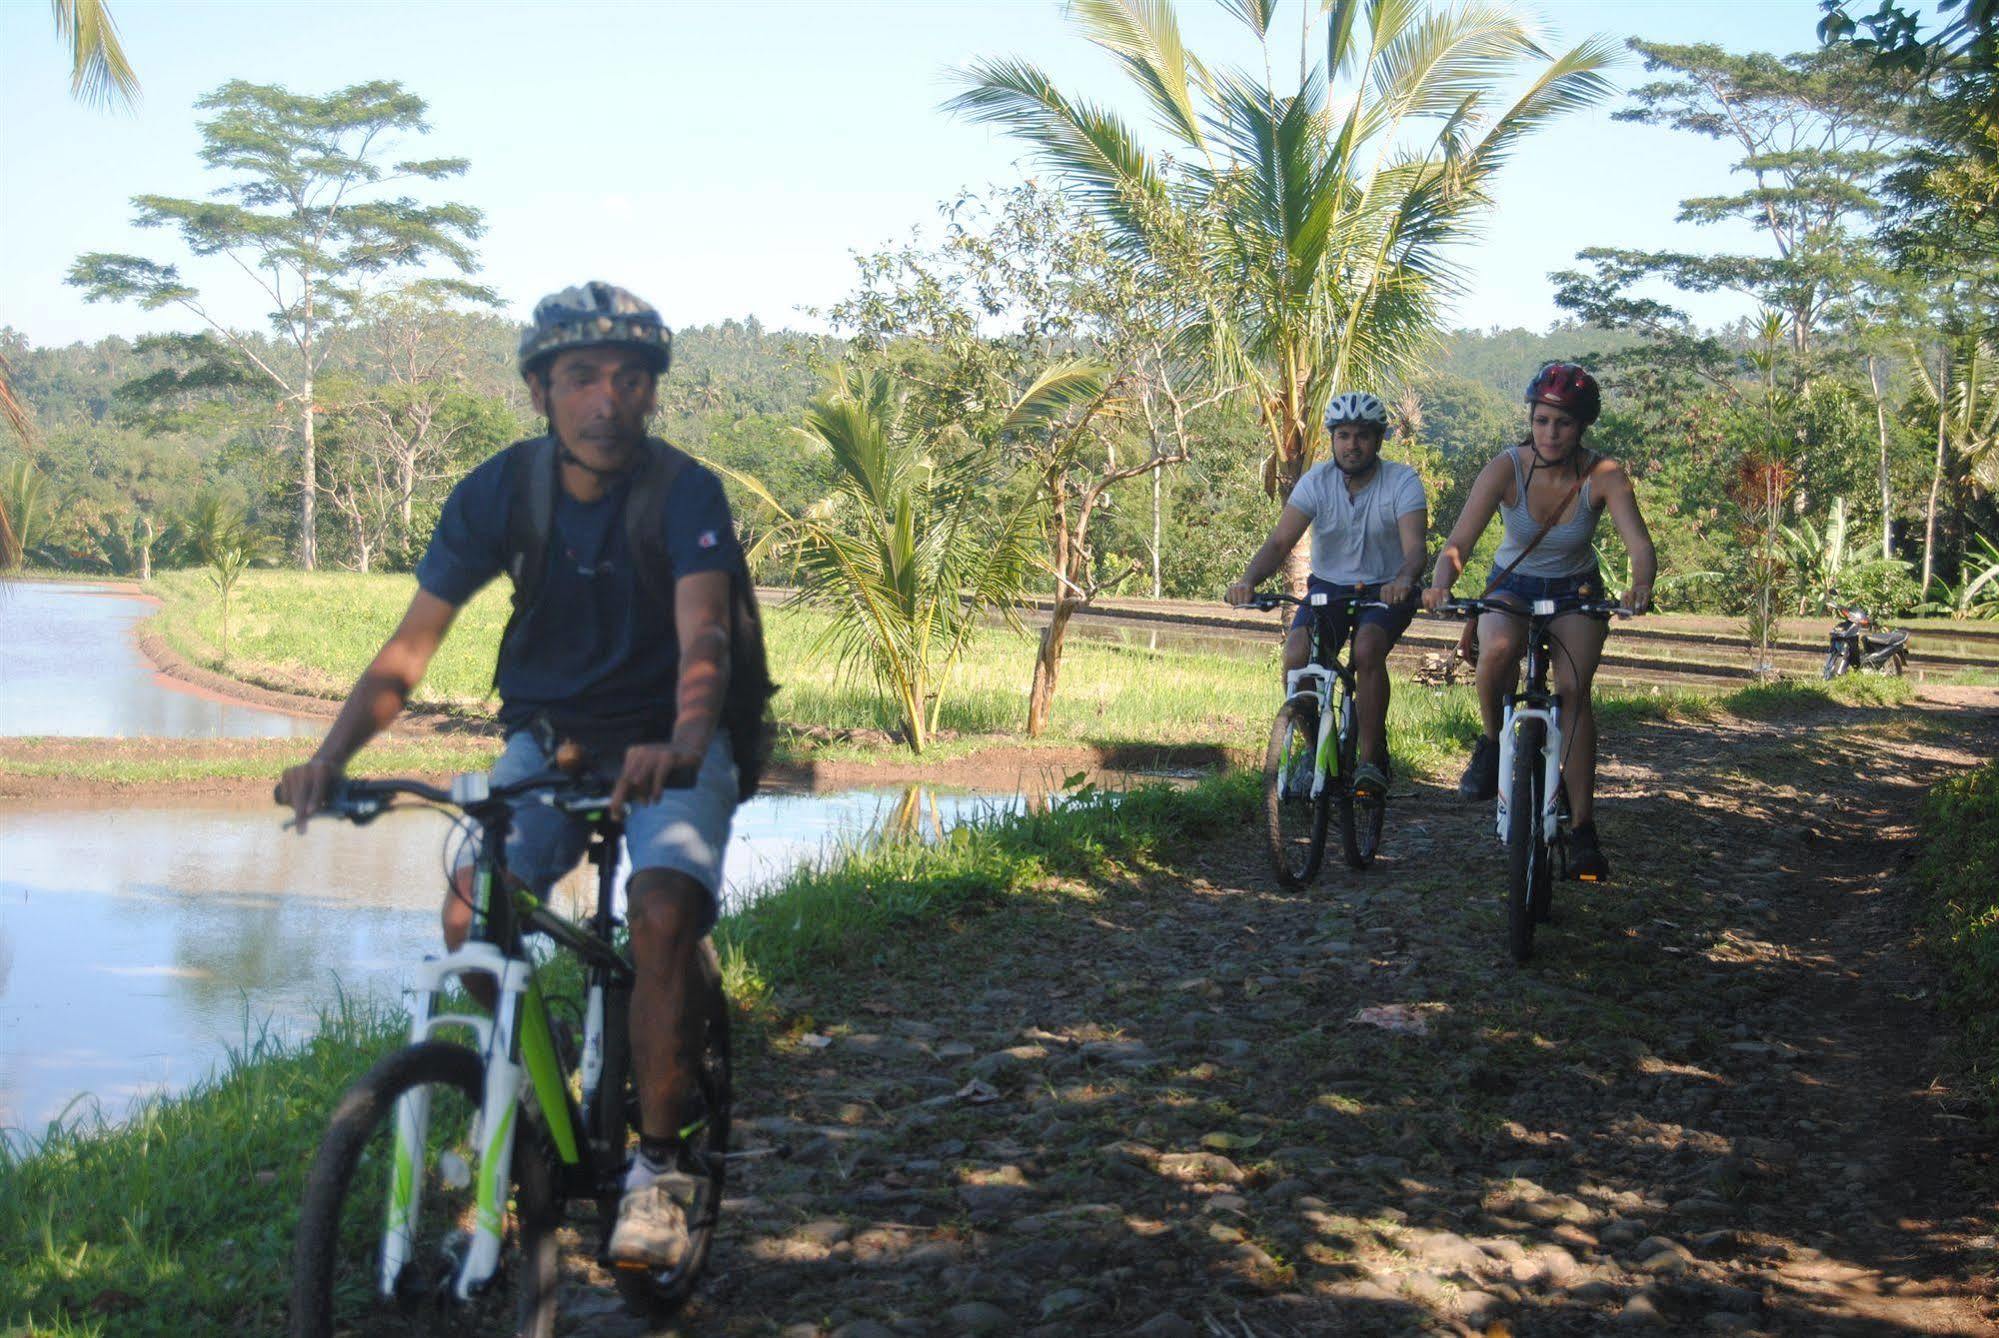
x=1859 y=642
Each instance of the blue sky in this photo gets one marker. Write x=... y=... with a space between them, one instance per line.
x=725 y=159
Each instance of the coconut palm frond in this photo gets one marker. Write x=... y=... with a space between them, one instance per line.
x=1057 y=391
x=99 y=73
x=1144 y=35
x=1092 y=148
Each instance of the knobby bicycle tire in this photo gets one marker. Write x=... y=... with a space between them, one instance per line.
x=1360 y=814
x=335 y=1265
x=704 y=1154
x=1295 y=823
x=1526 y=845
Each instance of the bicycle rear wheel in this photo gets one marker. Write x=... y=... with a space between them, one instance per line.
x=1527 y=866
x=1294 y=821
x=337 y=1261
x=704 y=1154
x=1361 y=812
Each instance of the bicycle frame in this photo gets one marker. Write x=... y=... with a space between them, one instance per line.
x=516 y=1045
x=1315 y=681
x=1534 y=702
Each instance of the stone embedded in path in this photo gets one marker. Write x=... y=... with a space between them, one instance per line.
x=1165 y=1325
x=979 y=1317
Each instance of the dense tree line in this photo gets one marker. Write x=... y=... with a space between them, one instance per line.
x=1846 y=435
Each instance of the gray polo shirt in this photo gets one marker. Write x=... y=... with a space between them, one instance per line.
x=1355 y=539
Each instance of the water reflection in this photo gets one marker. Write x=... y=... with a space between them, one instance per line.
x=135 y=946
x=73 y=669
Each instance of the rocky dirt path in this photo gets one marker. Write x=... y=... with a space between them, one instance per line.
x=1716 y=1102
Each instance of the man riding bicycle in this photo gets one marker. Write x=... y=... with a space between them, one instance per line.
x=1368 y=517
x=589 y=659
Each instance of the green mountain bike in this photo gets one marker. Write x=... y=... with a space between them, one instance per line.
x=439 y=1193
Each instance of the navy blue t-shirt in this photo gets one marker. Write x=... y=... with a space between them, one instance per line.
x=597 y=653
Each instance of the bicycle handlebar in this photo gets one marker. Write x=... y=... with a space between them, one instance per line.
x=361 y=801
x=1469 y=608
x=1267 y=600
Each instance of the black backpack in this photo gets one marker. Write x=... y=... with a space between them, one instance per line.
x=746 y=706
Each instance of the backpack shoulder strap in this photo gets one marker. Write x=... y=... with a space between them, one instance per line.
x=530 y=518
x=645 y=538
x=530 y=515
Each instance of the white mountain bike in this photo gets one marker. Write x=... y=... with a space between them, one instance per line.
x=1533 y=807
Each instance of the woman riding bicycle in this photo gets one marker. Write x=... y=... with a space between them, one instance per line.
x=1551 y=490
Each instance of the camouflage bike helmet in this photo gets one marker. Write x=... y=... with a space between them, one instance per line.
x=591 y=315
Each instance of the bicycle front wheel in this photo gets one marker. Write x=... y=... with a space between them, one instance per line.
x=1527 y=868
x=337 y=1282
x=1360 y=812
x=1295 y=822
x=704 y=1154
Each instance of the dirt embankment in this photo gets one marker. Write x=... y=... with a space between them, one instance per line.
x=1190 y=1103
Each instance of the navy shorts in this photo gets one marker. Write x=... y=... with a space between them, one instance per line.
x=1340 y=621
x=1566 y=591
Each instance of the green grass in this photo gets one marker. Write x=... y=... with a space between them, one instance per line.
x=1959 y=872
x=129 y=763
x=178 y=1221
x=314 y=633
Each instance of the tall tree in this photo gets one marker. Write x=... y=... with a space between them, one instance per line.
x=1816 y=132
x=307 y=216
x=407 y=423
x=1313 y=220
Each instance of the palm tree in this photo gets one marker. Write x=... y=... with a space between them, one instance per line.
x=913 y=549
x=1309 y=227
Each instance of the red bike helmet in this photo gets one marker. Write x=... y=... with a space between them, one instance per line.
x=1568 y=387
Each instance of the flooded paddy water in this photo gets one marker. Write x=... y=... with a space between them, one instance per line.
x=139 y=942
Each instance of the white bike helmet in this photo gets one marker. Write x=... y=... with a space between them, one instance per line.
x=1356 y=406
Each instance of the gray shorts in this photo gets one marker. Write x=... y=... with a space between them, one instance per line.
x=683 y=830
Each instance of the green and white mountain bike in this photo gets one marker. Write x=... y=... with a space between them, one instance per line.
x=437 y=1202
x=1309 y=768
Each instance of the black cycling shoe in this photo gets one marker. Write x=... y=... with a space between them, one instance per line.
x=1481 y=778
x=1586 y=861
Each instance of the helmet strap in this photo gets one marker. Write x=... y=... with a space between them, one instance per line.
x=569 y=457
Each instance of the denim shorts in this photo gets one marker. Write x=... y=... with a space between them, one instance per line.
x=683 y=830
x=1340 y=622
x=1566 y=591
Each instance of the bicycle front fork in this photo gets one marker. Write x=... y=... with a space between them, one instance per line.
x=1518 y=714
x=501 y=1042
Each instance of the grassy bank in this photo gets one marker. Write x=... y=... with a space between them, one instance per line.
x=180 y=1222
x=313 y=633
x=1959 y=872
